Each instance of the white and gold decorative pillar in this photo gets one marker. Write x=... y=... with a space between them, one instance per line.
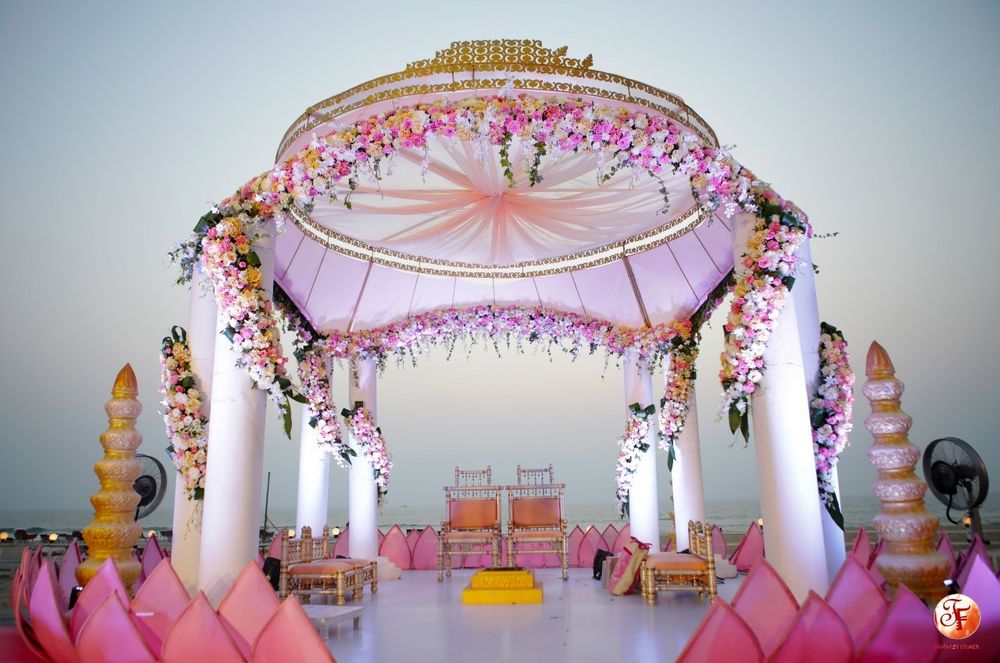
x=232 y=510
x=689 y=486
x=185 y=550
x=782 y=437
x=362 y=489
x=644 y=506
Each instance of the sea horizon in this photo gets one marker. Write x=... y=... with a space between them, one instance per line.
x=731 y=515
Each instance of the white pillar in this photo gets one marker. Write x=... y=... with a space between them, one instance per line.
x=793 y=531
x=362 y=508
x=231 y=522
x=314 y=479
x=185 y=547
x=643 y=501
x=689 y=488
x=807 y=316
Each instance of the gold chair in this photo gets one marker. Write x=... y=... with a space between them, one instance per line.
x=682 y=571
x=535 y=507
x=306 y=569
x=473 y=519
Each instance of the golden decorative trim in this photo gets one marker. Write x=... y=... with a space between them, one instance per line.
x=508 y=56
x=409 y=262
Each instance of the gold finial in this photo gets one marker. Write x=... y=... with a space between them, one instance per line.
x=125 y=383
x=878 y=364
x=908 y=530
x=113 y=532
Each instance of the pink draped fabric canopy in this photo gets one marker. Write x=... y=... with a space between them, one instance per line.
x=444 y=228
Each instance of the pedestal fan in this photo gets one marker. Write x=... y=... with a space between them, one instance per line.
x=151 y=484
x=957 y=476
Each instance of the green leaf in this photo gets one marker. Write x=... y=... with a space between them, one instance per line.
x=818 y=418
x=299 y=398
x=745 y=427
x=671 y=456
x=229 y=332
x=199 y=493
x=788 y=282
x=286 y=414
x=734 y=420
x=253 y=259
x=187 y=382
x=835 y=512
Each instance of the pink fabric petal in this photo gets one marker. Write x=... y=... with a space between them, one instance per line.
x=411 y=541
x=751 y=548
x=198 y=635
x=858 y=600
x=976 y=550
x=623 y=537
x=862 y=548
x=907 y=633
x=818 y=634
x=984 y=588
x=158 y=604
x=67 y=570
x=945 y=548
x=152 y=555
x=395 y=548
x=719 y=545
x=573 y=545
x=290 y=636
x=275 y=548
x=109 y=636
x=16 y=650
x=766 y=604
x=592 y=542
x=610 y=534
x=722 y=636
x=248 y=605
x=425 y=550
x=47 y=622
x=105 y=582
x=343 y=546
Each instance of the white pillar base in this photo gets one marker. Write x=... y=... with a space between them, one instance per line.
x=689 y=487
x=644 y=505
x=362 y=490
x=833 y=536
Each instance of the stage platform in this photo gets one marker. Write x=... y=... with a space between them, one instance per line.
x=419 y=619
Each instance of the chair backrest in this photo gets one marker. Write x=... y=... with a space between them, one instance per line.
x=528 y=476
x=483 y=477
x=536 y=505
x=473 y=507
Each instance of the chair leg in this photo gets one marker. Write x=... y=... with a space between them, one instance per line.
x=563 y=555
x=440 y=561
x=341 y=587
x=511 y=558
x=374 y=579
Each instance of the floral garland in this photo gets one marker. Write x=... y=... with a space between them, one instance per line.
x=234 y=269
x=519 y=325
x=313 y=372
x=632 y=445
x=679 y=373
x=618 y=137
x=830 y=411
x=764 y=279
x=187 y=427
x=368 y=439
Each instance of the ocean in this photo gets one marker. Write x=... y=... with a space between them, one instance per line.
x=731 y=515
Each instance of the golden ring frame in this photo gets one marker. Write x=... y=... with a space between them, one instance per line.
x=463 y=63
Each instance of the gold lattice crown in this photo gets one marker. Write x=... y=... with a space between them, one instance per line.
x=464 y=55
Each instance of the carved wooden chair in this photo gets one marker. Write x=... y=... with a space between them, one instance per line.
x=682 y=571
x=473 y=521
x=306 y=569
x=535 y=507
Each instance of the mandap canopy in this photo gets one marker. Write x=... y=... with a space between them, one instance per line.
x=500 y=190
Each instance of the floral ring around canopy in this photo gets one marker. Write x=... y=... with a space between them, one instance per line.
x=619 y=138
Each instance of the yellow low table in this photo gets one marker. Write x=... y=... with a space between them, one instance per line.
x=502 y=586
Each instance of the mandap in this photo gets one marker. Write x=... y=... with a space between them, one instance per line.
x=505 y=192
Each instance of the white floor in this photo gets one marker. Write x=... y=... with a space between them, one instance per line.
x=419 y=619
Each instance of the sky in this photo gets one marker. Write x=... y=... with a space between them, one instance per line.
x=121 y=123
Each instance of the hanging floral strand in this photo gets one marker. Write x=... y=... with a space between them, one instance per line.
x=631 y=446
x=830 y=411
x=187 y=427
x=370 y=443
